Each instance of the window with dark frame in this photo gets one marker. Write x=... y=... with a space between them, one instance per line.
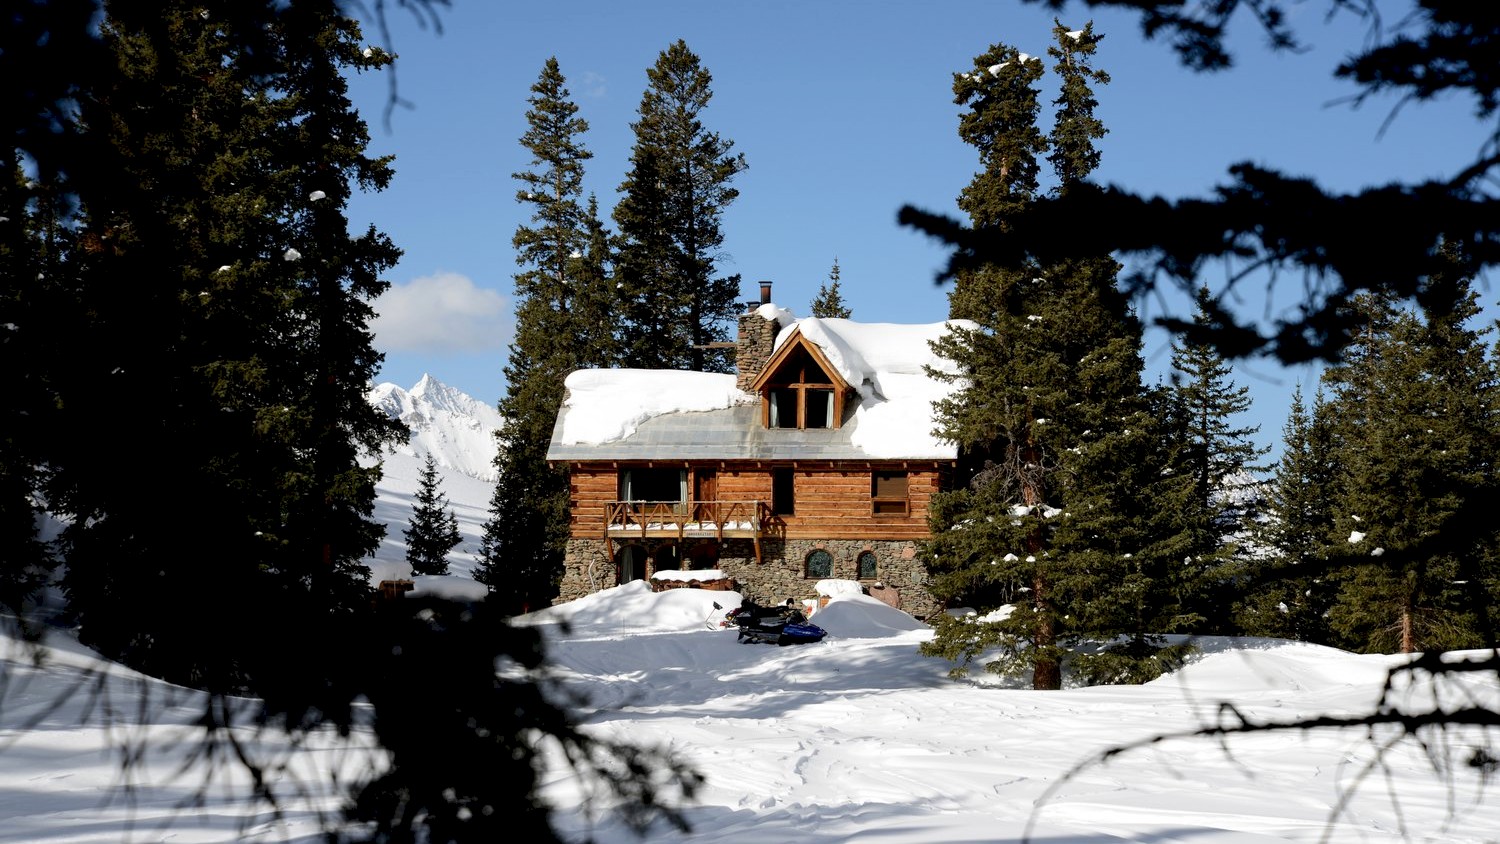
x=864 y=565
x=783 y=408
x=652 y=484
x=888 y=494
x=803 y=397
x=819 y=564
x=817 y=408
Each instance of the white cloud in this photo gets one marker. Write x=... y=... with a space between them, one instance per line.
x=441 y=313
x=591 y=84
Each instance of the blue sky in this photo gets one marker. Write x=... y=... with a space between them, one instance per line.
x=844 y=112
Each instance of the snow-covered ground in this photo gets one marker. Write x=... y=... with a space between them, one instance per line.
x=857 y=737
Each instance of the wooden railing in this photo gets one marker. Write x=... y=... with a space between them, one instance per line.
x=644 y=520
x=686 y=518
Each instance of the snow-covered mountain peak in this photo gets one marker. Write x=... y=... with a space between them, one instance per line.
x=440 y=396
x=451 y=425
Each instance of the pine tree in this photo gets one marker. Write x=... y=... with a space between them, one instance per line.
x=1215 y=463
x=1287 y=590
x=829 y=303
x=563 y=304
x=1410 y=549
x=216 y=534
x=1075 y=128
x=596 y=306
x=1003 y=103
x=434 y=528
x=27 y=296
x=231 y=149
x=1058 y=433
x=674 y=303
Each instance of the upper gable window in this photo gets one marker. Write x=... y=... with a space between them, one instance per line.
x=801 y=395
x=782 y=405
x=803 y=406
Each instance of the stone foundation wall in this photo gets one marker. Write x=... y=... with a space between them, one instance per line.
x=782 y=575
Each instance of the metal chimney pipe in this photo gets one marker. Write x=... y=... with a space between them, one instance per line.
x=765 y=292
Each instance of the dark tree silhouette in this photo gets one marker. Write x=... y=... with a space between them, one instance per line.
x=1266 y=221
x=674 y=305
x=564 y=298
x=192 y=163
x=433 y=531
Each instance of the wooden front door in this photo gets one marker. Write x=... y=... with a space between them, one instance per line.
x=705 y=492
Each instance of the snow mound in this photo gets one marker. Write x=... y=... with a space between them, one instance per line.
x=858 y=616
x=1234 y=665
x=633 y=607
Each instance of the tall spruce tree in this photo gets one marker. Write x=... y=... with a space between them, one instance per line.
x=829 y=303
x=674 y=303
x=1287 y=588
x=28 y=287
x=563 y=300
x=433 y=530
x=1216 y=488
x=200 y=158
x=1049 y=520
x=231 y=150
x=1002 y=104
x=1411 y=408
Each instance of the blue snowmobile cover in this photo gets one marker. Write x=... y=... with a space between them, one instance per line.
x=782 y=625
x=797 y=633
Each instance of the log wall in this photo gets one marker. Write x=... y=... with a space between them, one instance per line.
x=831 y=502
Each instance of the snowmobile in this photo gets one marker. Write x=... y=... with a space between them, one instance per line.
x=778 y=625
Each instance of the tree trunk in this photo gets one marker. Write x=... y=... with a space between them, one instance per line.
x=1408 y=636
x=1046 y=673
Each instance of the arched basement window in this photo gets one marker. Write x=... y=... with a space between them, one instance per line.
x=820 y=564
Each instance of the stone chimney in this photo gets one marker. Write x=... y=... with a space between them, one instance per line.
x=755 y=340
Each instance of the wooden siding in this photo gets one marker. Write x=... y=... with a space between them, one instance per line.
x=832 y=502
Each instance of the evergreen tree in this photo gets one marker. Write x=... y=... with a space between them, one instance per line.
x=597 y=304
x=1287 y=590
x=563 y=301
x=1050 y=522
x=1075 y=127
x=1264 y=217
x=674 y=303
x=201 y=170
x=1215 y=464
x=27 y=284
x=829 y=303
x=434 y=528
x=231 y=149
x=1411 y=549
x=1002 y=104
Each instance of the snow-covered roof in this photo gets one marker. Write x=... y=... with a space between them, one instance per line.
x=636 y=414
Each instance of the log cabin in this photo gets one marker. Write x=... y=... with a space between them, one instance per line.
x=815 y=460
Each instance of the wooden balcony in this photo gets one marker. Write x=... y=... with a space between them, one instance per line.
x=658 y=520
